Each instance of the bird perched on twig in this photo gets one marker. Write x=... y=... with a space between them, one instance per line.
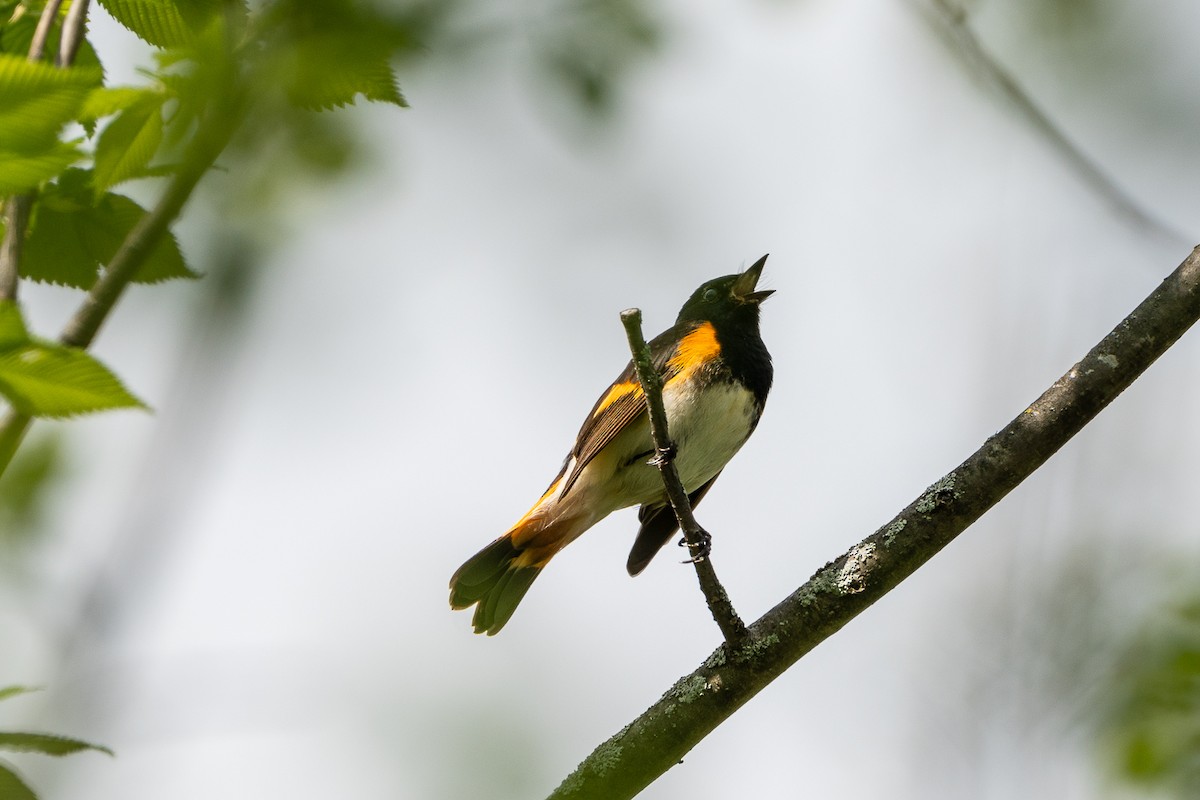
x=716 y=373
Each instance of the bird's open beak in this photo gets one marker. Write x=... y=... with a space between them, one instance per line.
x=743 y=287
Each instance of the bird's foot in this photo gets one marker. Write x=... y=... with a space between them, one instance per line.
x=701 y=549
x=664 y=456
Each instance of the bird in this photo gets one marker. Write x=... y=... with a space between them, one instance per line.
x=716 y=374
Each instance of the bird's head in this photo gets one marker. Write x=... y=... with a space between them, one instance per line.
x=727 y=298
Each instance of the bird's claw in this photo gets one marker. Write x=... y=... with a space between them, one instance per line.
x=664 y=456
x=701 y=550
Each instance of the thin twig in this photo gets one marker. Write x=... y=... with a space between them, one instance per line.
x=37 y=47
x=659 y=738
x=731 y=625
x=74 y=30
x=950 y=20
x=17 y=208
x=16 y=219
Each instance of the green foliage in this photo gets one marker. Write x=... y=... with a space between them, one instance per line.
x=43 y=379
x=12 y=786
x=1153 y=726
x=16 y=35
x=326 y=54
x=159 y=23
x=129 y=142
x=36 y=103
x=74 y=233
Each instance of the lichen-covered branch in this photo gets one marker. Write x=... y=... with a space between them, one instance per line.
x=659 y=738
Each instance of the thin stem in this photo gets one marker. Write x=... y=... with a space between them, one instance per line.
x=731 y=625
x=37 y=47
x=74 y=29
x=16 y=218
x=660 y=738
x=17 y=208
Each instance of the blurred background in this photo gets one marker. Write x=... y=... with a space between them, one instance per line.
x=406 y=314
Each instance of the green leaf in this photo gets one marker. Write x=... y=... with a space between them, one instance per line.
x=331 y=74
x=20 y=172
x=126 y=146
x=37 y=100
x=13 y=691
x=55 y=251
x=42 y=379
x=326 y=54
x=12 y=333
x=105 y=101
x=70 y=239
x=111 y=221
x=46 y=744
x=11 y=785
x=158 y=22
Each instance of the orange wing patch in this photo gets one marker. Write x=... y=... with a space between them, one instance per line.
x=618 y=391
x=695 y=350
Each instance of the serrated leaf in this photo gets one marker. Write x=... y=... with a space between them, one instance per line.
x=158 y=22
x=20 y=172
x=43 y=379
x=12 y=333
x=110 y=222
x=37 y=100
x=55 y=251
x=128 y=143
x=13 y=691
x=69 y=240
x=11 y=785
x=329 y=73
x=46 y=744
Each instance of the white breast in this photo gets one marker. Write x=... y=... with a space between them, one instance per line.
x=707 y=434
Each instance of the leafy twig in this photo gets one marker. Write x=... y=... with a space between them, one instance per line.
x=209 y=141
x=843 y=588
x=16 y=210
x=732 y=627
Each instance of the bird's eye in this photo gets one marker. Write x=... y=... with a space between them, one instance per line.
x=710 y=295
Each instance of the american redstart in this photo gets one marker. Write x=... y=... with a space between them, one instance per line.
x=716 y=373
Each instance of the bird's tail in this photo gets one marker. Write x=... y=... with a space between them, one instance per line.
x=494 y=581
x=496 y=578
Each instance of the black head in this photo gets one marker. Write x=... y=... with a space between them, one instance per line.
x=728 y=298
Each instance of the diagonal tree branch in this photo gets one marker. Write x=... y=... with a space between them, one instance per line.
x=949 y=19
x=727 y=619
x=843 y=588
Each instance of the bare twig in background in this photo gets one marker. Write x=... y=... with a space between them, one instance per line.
x=74 y=29
x=732 y=627
x=37 y=47
x=16 y=218
x=659 y=738
x=950 y=21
